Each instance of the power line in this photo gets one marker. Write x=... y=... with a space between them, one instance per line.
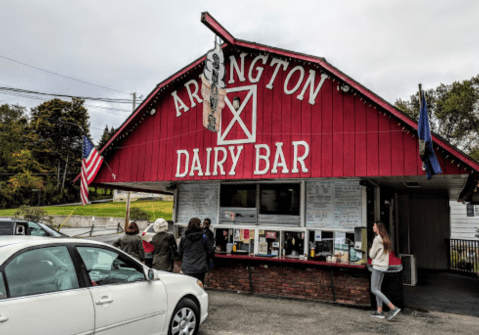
x=57 y=74
x=104 y=109
x=18 y=90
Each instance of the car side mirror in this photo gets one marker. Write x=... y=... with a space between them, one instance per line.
x=152 y=274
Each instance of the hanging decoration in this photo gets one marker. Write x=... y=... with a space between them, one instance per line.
x=213 y=89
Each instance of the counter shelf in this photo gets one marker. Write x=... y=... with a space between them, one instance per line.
x=290 y=260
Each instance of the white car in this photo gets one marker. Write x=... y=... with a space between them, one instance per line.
x=70 y=286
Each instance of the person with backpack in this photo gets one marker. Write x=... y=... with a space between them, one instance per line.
x=165 y=249
x=194 y=249
x=379 y=254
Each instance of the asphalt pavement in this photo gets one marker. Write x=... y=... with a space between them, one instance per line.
x=242 y=314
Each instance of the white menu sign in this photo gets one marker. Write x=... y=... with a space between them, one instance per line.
x=197 y=200
x=333 y=204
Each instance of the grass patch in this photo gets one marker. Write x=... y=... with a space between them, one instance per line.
x=155 y=209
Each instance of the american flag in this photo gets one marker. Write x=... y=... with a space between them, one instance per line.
x=90 y=165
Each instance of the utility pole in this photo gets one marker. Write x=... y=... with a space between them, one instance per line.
x=127 y=215
x=134 y=101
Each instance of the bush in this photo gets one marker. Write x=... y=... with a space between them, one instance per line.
x=139 y=214
x=32 y=213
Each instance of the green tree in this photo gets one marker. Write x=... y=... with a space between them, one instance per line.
x=13 y=139
x=105 y=137
x=31 y=213
x=138 y=214
x=13 y=127
x=453 y=113
x=58 y=145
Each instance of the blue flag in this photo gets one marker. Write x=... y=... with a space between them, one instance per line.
x=426 y=151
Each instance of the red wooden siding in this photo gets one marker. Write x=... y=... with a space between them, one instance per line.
x=346 y=137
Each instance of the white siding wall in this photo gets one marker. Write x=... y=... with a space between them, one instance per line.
x=463 y=226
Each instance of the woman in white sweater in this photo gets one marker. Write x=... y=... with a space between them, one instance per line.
x=379 y=254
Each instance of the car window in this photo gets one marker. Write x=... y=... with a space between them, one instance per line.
x=108 y=267
x=3 y=291
x=150 y=229
x=6 y=228
x=36 y=230
x=51 y=231
x=39 y=271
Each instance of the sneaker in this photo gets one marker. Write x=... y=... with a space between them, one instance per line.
x=375 y=314
x=393 y=313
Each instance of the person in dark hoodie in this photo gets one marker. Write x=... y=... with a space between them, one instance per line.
x=194 y=249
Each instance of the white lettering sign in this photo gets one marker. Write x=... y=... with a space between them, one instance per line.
x=217 y=160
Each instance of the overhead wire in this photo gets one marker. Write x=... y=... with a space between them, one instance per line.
x=61 y=75
x=110 y=110
x=18 y=90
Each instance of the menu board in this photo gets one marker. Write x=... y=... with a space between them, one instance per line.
x=197 y=200
x=333 y=204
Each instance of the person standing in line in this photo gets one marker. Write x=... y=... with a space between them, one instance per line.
x=194 y=249
x=379 y=254
x=131 y=242
x=207 y=230
x=209 y=234
x=163 y=243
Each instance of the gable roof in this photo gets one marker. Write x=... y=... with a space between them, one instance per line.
x=230 y=42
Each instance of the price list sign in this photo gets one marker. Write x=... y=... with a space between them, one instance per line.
x=333 y=204
x=197 y=200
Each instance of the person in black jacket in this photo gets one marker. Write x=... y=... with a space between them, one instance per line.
x=207 y=230
x=194 y=249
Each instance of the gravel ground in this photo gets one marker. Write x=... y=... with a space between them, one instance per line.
x=238 y=314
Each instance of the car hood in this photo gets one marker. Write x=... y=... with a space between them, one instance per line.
x=176 y=282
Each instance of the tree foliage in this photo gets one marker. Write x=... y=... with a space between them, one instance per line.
x=453 y=113
x=105 y=137
x=31 y=213
x=138 y=214
x=41 y=153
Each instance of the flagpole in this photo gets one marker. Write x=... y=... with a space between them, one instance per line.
x=420 y=97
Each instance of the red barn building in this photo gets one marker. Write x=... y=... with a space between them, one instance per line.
x=306 y=157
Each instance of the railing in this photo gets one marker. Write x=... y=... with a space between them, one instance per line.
x=464 y=256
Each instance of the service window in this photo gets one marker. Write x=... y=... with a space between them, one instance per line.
x=269 y=243
x=108 y=267
x=40 y=271
x=239 y=196
x=323 y=244
x=243 y=240
x=293 y=243
x=222 y=237
x=280 y=199
x=3 y=290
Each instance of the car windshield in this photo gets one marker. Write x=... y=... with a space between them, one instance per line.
x=51 y=231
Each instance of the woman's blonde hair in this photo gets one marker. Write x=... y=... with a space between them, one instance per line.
x=384 y=235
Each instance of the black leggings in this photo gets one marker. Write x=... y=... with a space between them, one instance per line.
x=199 y=276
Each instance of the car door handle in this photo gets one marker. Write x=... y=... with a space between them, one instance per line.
x=104 y=301
x=3 y=318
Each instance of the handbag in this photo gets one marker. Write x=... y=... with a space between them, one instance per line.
x=392 y=268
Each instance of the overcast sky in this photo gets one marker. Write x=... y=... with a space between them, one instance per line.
x=130 y=46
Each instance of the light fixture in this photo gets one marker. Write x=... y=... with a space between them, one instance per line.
x=345 y=88
x=236 y=103
x=153 y=111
